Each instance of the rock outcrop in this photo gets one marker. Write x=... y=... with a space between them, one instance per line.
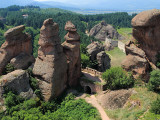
x=103 y=61
x=103 y=30
x=114 y=99
x=72 y=51
x=142 y=51
x=93 y=49
x=51 y=64
x=135 y=61
x=96 y=52
x=146 y=31
x=16 y=43
x=18 y=82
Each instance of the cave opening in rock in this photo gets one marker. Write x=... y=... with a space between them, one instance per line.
x=87 y=90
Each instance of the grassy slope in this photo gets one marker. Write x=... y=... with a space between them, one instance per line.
x=117 y=56
x=141 y=112
x=126 y=32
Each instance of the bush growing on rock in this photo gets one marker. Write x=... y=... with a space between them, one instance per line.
x=154 y=81
x=117 y=78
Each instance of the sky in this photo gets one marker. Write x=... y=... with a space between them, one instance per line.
x=150 y=4
x=97 y=4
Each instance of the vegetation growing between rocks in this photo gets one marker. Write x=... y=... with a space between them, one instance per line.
x=9 y=68
x=117 y=78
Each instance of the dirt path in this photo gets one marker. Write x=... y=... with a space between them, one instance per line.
x=92 y=100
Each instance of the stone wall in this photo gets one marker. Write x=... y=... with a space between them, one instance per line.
x=121 y=46
x=92 y=71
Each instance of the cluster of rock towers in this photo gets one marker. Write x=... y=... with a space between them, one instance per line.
x=57 y=65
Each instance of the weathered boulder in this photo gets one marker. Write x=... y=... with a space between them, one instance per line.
x=146 y=31
x=71 y=49
x=103 y=30
x=22 y=61
x=135 y=61
x=18 y=82
x=16 y=43
x=103 y=61
x=114 y=99
x=93 y=49
x=50 y=67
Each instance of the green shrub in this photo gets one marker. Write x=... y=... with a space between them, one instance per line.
x=155 y=106
x=154 y=81
x=117 y=78
x=83 y=48
x=9 y=68
x=48 y=106
x=12 y=100
x=34 y=84
x=69 y=109
x=84 y=60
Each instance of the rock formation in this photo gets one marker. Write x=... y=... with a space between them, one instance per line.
x=72 y=51
x=103 y=30
x=51 y=64
x=135 y=61
x=96 y=52
x=142 y=50
x=114 y=99
x=146 y=31
x=93 y=49
x=16 y=43
x=103 y=61
x=18 y=82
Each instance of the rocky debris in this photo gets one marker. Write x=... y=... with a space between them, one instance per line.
x=50 y=67
x=16 y=43
x=114 y=99
x=103 y=30
x=18 y=82
x=135 y=61
x=93 y=49
x=18 y=61
x=110 y=44
x=146 y=32
x=103 y=61
x=72 y=51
